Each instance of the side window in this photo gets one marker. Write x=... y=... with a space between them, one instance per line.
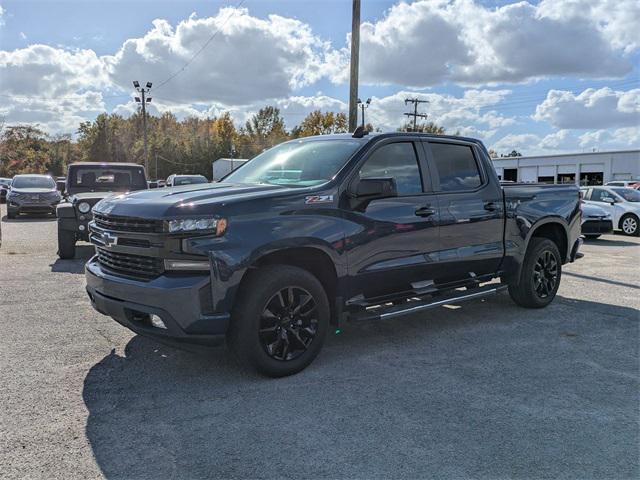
x=456 y=167
x=597 y=195
x=398 y=161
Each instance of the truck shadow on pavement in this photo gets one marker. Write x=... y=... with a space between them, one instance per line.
x=434 y=394
x=74 y=265
x=30 y=219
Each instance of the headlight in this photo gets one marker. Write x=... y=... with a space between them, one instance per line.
x=217 y=225
x=84 y=207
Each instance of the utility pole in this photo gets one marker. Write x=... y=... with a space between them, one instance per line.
x=355 y=57
x=415 y=113
x=363 y=106
x=144 y=100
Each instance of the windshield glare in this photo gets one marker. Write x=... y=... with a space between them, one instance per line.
x=629 y=194
x=297 y=164
x=33 y=182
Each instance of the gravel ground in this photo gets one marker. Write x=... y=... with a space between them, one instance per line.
x=486 y=390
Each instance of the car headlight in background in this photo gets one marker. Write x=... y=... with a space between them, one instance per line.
x=84 y=207
x=216 y=225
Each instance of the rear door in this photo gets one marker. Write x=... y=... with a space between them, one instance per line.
x=395 y=247
x=471 y=211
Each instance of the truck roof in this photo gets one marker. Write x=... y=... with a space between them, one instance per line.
x=377 y=135
x=110 y=164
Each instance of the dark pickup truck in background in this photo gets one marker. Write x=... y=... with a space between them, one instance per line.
x=86 y=184
x=320 y=229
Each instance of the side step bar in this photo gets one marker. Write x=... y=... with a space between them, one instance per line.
x=457 y=296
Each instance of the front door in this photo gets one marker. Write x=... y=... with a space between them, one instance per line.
x=391 y=248
x=471 y=212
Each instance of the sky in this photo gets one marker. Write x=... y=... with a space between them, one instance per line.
x=541 y=77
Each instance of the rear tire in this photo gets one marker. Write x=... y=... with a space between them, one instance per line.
x=280 y=320
x=629 y=225
x=540 y=275
x=66 y=244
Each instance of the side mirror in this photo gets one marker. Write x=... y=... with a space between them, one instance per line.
x=368 y=189
x=372 y=188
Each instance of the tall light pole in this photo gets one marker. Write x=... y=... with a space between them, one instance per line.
x=363 y=106
x=143 y=99
x=355 y=57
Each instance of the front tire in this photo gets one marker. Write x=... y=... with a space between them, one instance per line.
x=629 y=225
x=66 y=244
x=280 y=320
x=540 y=275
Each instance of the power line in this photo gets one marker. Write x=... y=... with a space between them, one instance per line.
x=415 y=113
x=206 y=44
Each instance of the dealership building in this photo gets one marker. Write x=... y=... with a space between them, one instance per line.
x=594 y=168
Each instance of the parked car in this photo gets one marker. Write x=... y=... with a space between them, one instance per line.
x=5 y=183
x=622 y=203
x=595 y=221
x=322 y=228
x=32 y=193
x=635 y=184
x=88 y=183
x=177 y=180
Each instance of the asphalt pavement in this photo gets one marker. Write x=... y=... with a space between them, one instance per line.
x=482 y=390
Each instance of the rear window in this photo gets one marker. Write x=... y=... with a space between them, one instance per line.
x=189 y=180
x=100 y=178
x=456 y=167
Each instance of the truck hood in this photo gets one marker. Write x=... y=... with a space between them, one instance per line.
x=182 y=201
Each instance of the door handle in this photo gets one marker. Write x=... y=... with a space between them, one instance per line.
x=490 y=206
x=425 y=211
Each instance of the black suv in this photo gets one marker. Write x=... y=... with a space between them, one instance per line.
x=320 y=229
x=86 y=184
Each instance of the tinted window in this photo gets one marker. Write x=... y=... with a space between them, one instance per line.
x=456 y=167
x=598 y=195
x=398 y=161
x=629 y=194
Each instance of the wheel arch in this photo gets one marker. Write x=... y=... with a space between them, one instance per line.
x=627 y=214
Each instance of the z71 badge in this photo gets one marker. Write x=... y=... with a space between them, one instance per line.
x=318 y=199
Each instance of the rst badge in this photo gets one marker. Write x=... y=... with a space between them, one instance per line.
x=318 y=199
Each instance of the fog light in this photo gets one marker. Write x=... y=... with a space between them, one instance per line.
x=81 y=228
x=157 y=322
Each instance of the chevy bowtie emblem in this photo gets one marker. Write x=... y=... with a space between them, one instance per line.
x=109 y=239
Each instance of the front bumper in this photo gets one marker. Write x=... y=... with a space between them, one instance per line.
x=177 y=300
x=18 y=208
x=596 y=227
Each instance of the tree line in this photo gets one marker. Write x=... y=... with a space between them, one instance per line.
x=187 y=146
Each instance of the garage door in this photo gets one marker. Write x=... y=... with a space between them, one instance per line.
x=528 y=174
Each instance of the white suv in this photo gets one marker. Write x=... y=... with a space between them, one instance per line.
x=622 y=203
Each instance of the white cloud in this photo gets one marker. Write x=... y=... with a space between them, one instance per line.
x=611 y=139
x=593 y=108
x=248 y=59
x=430 y=41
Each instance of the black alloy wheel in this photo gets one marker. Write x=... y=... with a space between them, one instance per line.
x=545 y=274
x=288 y=324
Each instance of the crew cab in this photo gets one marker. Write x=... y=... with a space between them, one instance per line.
x=319 y=230
x=86 y=184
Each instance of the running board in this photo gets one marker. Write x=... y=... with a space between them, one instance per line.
x=457 y=296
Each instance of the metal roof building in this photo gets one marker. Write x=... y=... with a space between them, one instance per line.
x=593 y=168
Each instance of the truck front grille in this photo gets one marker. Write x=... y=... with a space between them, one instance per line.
x=127 y=224
x=137 y=266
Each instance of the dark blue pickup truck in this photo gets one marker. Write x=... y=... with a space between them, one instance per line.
x=322 y=229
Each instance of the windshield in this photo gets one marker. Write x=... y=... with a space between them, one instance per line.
x=5 y=181
x=33 y=182
x=107 y=179
x=189 y=180
x=629 y=194
x=297 y=164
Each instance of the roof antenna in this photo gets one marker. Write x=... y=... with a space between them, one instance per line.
x=359 y=132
